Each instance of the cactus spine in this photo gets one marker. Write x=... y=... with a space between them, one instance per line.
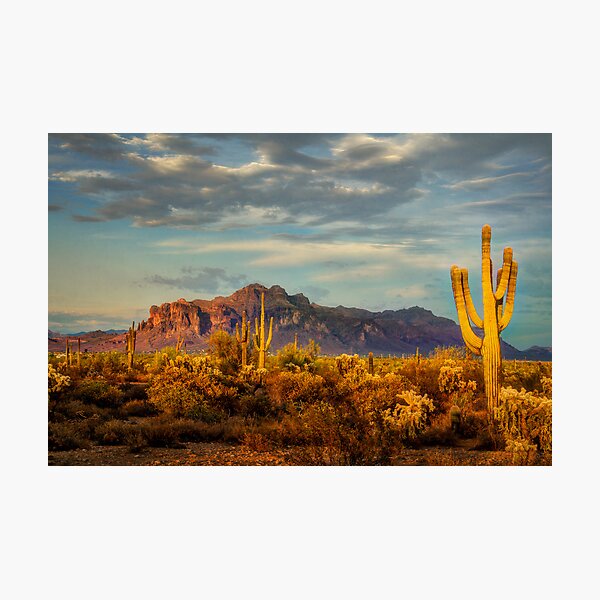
x=130 y=340
x=371 y=365
x=243 y=336
x=496 y=314
x=262 y=344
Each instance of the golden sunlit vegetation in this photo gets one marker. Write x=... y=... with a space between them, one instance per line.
x=308 y=409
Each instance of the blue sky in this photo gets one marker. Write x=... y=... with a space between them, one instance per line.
x=367 y=220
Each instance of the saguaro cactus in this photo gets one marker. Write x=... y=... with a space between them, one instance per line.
x=79 y=353
x=496 y=314
x=261 y=342
x=130 y=338
x=371 y=365
x=242 y=337
x=67 y=354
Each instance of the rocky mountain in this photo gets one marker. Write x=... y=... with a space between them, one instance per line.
x=336 y=330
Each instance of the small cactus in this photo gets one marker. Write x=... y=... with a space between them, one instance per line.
x=455 y=415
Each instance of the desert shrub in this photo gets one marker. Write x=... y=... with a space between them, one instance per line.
x=225 y=351
x=190 y=430
x=528 y=375
x=291 y=357
x=376 y=392
x=473 y=421
x=160 y=433
x=97 y=392
x=190 y=386
x=341 y=434
x=115 y=433
x=255 y=405
x=289 y=390
x=137 y=408
x=67 y=435
x=525 y=416
x=134 y=391
x=234 y=429
x=256 y=441
x=437 y=433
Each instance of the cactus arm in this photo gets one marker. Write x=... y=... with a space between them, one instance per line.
x=500 y=308
x=472 y=341
x=503 y=283
x=238 y=337
x=471 y=310
x=510 y=297
x=268 y=342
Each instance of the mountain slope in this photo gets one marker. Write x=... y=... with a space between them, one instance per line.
x=336 y=330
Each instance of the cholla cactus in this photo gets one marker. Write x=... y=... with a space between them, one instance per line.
x=409 y=417
x=242 y=336
x=56 y=380
x=261 y=341
x=496 y=316
x=130 y=341
x=523 y=415
x=352 y=367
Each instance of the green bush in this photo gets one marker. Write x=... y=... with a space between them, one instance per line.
x=97 y=392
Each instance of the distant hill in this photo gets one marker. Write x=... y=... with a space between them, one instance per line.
x=335 y=329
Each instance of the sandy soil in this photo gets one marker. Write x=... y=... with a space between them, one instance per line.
x=221 y=454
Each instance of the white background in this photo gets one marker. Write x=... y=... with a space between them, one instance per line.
x=74 y=533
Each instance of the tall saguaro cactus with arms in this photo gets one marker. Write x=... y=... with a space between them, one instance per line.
x=496 y=312
x=261 y=342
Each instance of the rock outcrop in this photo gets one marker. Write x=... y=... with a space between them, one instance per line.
x=336 y=330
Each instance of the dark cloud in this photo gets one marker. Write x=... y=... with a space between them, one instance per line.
x=200 y=279
x=106 y=146
x=165 y=179
x=55 y=207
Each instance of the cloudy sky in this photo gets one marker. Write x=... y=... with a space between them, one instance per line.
x=367 y=220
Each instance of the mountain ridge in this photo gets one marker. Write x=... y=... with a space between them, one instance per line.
x=336 y=329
